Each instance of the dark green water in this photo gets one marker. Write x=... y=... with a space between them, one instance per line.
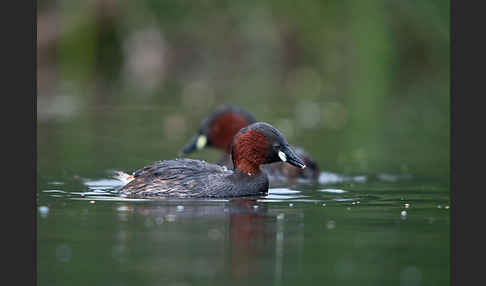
x=378 y=231
x=371 y=228
x=350 y=228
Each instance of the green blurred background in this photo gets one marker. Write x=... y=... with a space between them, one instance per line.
x=362 y=85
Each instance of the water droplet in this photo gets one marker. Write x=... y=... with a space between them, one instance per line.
x=403 y=213
x=291 y=205
x=407 y=206
x=91 y=202
x=44 y=211
x=280 y=216
x=170 y=217
x=180 y=208
x=122 y=208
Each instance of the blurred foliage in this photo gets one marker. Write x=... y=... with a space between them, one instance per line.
x=362 y=85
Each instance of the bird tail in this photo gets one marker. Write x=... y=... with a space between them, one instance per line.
x=122 y=176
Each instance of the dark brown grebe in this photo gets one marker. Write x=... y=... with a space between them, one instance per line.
x=217 y=131
x=255 y=145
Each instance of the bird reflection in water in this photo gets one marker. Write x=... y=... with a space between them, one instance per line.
x=238 y=233
x=247 y=236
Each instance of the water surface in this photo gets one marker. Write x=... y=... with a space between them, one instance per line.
x=371 y=230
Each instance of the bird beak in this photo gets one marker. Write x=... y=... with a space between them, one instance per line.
x=198 y=142
x=287 y=154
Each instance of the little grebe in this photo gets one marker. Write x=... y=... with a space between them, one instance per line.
x=217 y=131
x=254 y=145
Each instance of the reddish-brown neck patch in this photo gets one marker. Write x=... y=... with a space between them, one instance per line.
x=224 y=129
x=250 y=150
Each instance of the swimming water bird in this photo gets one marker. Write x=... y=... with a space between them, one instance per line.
x=254 y=145
x=217 y=131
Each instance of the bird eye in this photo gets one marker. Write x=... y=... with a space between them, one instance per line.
x=276 y=146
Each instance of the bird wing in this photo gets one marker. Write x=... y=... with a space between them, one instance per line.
x=179 y=178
